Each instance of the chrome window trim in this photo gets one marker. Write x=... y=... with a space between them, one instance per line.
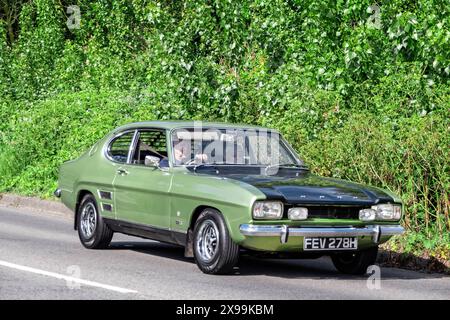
x=292 y=151
x=133 y=145
x=107 y=148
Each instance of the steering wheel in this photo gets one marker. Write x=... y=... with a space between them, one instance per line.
x=190 y=161
x=197 y=160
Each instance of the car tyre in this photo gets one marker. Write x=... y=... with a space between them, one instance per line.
x=93 y=232
x=355 y=262
x=214 y=250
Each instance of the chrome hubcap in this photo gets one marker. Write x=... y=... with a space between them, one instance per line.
x=88 y=220
x=207 y=241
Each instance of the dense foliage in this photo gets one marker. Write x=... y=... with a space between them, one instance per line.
x=360 y=88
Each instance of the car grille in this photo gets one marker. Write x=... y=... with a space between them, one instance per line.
x=333 y=212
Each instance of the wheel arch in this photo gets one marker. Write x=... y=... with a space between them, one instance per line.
x=80 y=195
x=226 y=256
x=198 y=210
x=188 y=248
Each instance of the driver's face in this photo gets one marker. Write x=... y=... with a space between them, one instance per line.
x=179 y=155
x=181 y=151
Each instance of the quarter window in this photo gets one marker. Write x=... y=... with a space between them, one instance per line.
x=150 y=143
x=119 y=147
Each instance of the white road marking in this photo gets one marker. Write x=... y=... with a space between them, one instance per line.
x=64 y=277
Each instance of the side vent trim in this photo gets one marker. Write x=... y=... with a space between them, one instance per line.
x=106 y=207
x=106 y=195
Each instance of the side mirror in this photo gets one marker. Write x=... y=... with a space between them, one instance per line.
x=151 y=161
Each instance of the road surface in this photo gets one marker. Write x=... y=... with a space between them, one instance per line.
x=41 y=258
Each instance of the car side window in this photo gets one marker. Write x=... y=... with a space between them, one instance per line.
x=120 y=146
x=150 y=143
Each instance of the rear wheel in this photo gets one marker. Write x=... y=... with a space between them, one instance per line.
x=214 y=250
x=92 y=230
x=355 y=262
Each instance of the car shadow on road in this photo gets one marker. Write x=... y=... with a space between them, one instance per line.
x=152 y=248
x=321 y=268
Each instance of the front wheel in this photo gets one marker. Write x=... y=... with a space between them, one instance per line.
x=355 y=262
x=214 y=250
x=93 y=232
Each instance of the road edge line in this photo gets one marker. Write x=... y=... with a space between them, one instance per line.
x=64 y=277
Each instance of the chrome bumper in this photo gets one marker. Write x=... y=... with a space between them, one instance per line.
x=283 y=231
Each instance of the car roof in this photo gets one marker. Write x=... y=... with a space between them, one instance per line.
x=176 y=124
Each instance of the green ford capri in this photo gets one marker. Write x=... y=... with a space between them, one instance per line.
x=220 y=190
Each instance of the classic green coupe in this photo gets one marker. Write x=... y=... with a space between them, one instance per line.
x=218 y=190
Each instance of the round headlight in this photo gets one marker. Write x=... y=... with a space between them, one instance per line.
x=298 y=213
x=268 y=210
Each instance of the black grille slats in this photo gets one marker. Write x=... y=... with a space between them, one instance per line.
x=331 y=212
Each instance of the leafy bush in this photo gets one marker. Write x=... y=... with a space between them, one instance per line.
x=55 y=130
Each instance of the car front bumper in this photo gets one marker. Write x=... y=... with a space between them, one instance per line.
x=284 y=232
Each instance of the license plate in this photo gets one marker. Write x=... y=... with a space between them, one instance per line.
x=341 y=243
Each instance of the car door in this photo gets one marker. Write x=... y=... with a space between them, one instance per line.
x=141 y=192
x=117 y=152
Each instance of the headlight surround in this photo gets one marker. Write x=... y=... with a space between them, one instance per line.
x=267 y=210
x=388 y=211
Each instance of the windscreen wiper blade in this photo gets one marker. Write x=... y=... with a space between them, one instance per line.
x=206 y=165
x=291 y=165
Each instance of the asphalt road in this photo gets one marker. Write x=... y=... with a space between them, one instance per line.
x=41 y=258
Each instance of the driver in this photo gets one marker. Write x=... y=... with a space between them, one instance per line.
x=182 y=153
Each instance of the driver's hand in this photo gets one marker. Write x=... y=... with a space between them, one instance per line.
x=201 y=157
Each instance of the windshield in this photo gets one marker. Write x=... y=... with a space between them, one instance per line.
x=256 y=147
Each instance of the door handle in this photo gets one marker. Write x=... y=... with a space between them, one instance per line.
x=122 y=171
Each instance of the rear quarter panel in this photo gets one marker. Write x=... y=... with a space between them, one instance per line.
x=90 y=172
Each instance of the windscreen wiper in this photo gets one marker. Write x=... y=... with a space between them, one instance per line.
x=290 y=165
x=206 y=165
